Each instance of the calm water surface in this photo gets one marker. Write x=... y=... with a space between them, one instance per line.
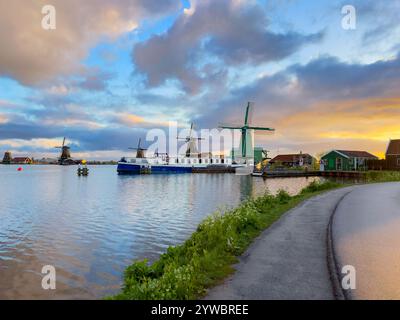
x=91 y=228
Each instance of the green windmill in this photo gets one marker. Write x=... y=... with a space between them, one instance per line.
x=246 y=140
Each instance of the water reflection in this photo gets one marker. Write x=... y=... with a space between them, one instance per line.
x=91 y=228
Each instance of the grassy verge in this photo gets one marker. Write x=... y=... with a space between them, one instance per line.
x=185 y=271
x=382 y=176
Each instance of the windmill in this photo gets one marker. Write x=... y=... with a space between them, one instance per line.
x=7 y=157
x=191 y=143
x=65 y=153
x=139 y=150
x=246 y=139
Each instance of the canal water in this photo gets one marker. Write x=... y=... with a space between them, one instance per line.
x=91 y=228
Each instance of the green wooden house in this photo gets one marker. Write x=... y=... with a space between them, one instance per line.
x=344 y=160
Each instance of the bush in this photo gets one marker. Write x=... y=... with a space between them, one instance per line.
x=382 y=176
x=316 y=186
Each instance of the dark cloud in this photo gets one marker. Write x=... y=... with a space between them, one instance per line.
x=297 y=88
x=379 y=19
x=328 y=78
x=216 y=35
x=89 y=139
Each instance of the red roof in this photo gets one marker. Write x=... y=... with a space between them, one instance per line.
x=289 y=157
x=393 y=148
x=357 y=154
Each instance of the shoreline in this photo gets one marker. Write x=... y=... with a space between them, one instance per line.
x=206 y=259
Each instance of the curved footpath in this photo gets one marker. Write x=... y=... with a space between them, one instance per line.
x=289 y=259
x=299 y=257
x=366 y=235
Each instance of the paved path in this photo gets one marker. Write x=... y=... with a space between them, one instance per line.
x=289 y=259
x=366 y=235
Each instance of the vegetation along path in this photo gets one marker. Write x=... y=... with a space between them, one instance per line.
x=289 y=259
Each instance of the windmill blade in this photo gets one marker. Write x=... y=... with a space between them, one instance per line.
x=246 y=117
x=137 y=149
x=63 y=142
x=190 y=132
x=261 y=128
x=229 y=126
x=140 y=140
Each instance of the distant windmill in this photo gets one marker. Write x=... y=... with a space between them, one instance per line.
x=139 y=150
x=246 y=140
x=192 y=143
x=65 y=153
x=7 y=157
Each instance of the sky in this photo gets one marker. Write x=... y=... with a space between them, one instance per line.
x=112 y=70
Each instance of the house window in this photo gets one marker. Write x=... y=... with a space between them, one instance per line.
x=398 y=162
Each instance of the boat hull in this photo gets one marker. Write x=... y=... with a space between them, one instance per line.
x=131 y=168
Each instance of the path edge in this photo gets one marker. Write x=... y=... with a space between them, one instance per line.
x=332 y=261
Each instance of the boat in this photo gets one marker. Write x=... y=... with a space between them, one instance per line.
x=191 y=162
x=173 y=165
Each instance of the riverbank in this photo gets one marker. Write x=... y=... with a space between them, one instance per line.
x=206 y=258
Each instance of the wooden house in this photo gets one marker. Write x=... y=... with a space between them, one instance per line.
x=344 y=160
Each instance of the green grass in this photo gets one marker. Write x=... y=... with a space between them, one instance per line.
x=185 y=271
x=382 y=176
x=206 y=258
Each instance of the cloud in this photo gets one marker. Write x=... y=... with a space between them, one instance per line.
x=104 y=138
x=329 y=78
x=132 y=120
x=33 y=55
x=3 y=119
x=33 y=143
x=211 y=36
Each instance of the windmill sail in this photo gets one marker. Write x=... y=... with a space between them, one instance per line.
x=246 y=147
